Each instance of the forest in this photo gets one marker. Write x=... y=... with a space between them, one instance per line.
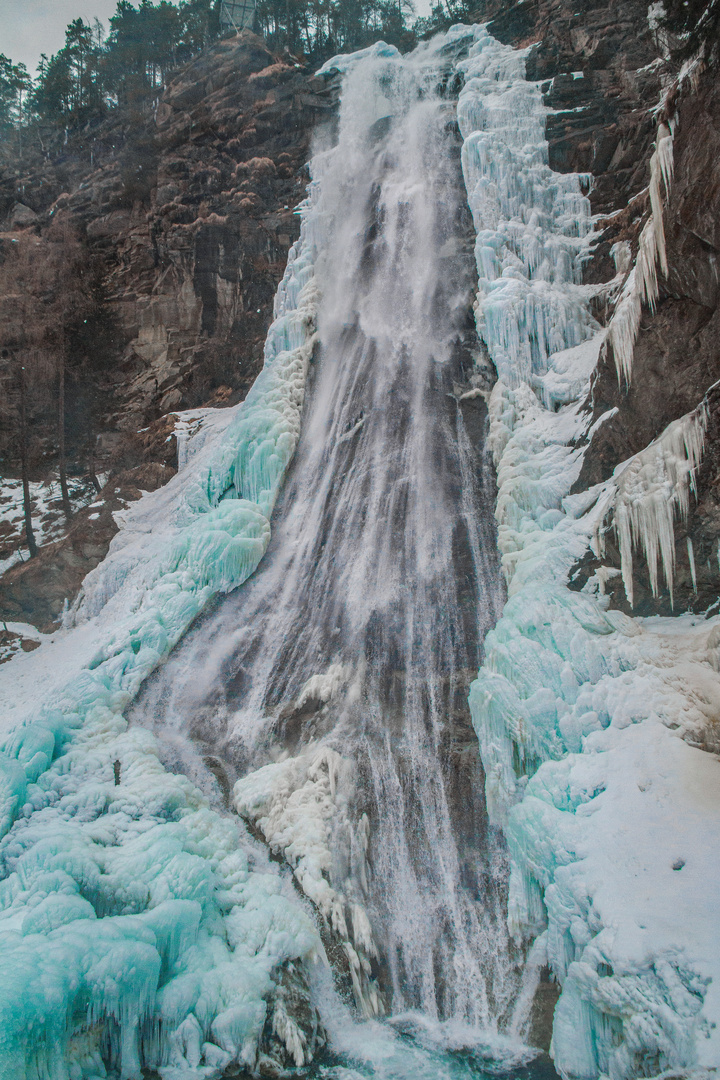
x=96 y=71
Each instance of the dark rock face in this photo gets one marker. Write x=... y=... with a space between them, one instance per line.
x=188 y=213
x=676 y=358
x=194 y=221
x=607 y=76
x=676 y=355
x=598 y=65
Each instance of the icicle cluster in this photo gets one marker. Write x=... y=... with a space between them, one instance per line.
x=641 y=286
x=651 y=491
x=531 y=223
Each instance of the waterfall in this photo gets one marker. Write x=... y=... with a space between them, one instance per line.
x=343 y=667
x=325 y=699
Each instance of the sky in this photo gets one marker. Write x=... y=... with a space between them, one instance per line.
x=31 y=27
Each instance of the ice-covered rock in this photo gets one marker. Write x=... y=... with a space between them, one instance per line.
x=586 y=718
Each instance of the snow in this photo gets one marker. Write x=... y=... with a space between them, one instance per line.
x=591 y=724
x=48 y=517
x=192 y=428
x=139 y=926
x=17 y=638
x=345 y=61
x=300 y=805
x=132 y=925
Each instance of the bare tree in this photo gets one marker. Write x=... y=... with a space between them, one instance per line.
x=42 y=300
x=29 y=534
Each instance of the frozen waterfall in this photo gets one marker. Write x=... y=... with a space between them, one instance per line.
x=334 y=684
x=246 y=808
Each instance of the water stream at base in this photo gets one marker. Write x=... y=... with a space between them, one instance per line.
x=381 y=581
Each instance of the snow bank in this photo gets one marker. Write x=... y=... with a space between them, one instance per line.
x=132 y=927
x=586 y=718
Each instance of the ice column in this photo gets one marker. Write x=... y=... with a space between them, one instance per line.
x=531 y=222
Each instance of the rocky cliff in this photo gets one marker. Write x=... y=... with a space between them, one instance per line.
x=614 y=90
x=187 y=211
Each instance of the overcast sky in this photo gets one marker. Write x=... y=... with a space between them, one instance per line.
x=31 y=27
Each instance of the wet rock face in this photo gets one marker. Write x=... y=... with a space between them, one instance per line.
x=195 y=220
x=190 y=209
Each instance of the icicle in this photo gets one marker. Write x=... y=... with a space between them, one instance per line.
x=691 y=559
x=652 y=488
x=641 y=286
x=624 y=327
x=661 y=166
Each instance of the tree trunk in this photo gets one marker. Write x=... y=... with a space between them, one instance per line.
x=61 y=440
x=29 y=534
x=91 y=462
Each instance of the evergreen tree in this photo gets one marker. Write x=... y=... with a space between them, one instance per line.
x=69 y=86
x=15 y=84
x=148 y=38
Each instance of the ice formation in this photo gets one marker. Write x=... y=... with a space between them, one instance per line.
x=302 y=815
x=135 y=930
x=354 y=641
x=649 y=492
x=582 y=714
x=132 y=926
x=531 y=223
x=641 y=286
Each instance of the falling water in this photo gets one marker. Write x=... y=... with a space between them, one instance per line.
x=382 y=577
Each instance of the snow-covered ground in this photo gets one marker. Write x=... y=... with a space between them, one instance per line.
x=48 y=517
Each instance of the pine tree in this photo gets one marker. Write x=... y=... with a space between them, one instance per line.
x=15 y=84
